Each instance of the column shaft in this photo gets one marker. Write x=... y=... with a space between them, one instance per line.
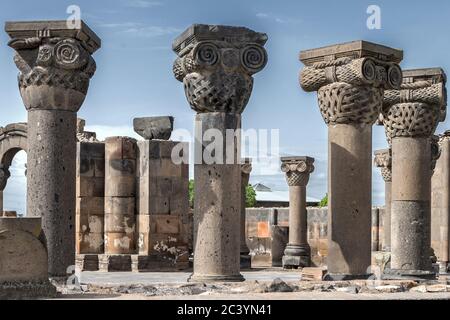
x=411 y=193
x=350 y=198
x=387 y=216
x=51 y=182
x=217 y=205
x=297 y=215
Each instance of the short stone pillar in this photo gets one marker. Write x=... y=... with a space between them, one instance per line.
x=163 y=198
x=55 y=65
x=24 y=266
x=440 y=204
x=350 y=91
x=410 y=116
x=120 y=203
x=216 y=65
x=383 y=160
x=297 y=170
x=246 y=169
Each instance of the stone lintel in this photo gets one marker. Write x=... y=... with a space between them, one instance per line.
x=202 y=32
x=435 y=75
x=354 y=49
x=56 y=28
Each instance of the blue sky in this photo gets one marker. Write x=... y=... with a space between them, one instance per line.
x=134 y=75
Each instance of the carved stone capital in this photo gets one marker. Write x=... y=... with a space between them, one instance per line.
x=416 y=109
x=350 y=79
x=216 y=65
x=383 y=160
x=444 y=137
x=246 y=166
x=435 y=151
x=54 y=61
x=297 y=170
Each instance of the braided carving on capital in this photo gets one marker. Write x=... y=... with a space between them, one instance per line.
x=217 y=71
x=343 y=103
x=350 y=91
x=56 y=65
x=415 y=109
x=297 y=170
x=383 y=160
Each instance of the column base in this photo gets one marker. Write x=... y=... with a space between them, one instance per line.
x=216 y=278
x=296 y=256
x=246 y=261
x=296 y=262
x=397 y=274
x=114 y=262
x=27 y=290
x=345 y=277
x=87 y=262
x=444 y=267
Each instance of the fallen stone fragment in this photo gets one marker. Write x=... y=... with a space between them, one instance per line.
x=389 y=289
x=352 y=289
x=151 y=128
x=279 y=285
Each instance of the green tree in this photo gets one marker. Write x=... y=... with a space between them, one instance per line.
x=191 y=193
x=250 y=197
x=324 y=201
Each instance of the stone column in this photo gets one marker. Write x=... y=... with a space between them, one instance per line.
x=440 y=204
x=120 y=203
x=55 y=66
x=246 y=169
x=298 y=252
x=410 y=116
x=350 y=92
x=383 y=160
x=216 y=65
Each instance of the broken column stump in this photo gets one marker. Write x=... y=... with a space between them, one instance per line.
x=120 y=204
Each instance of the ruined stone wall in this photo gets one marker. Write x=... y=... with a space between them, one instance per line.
x=164 y=226
x=261 y=236
x=90 y=193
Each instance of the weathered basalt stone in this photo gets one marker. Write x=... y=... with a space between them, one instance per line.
x=383 y=160
x=216 y=65
x=154 y=128
x=55 y=67
x=410 y=116
x=350 y=79
x=298 y=251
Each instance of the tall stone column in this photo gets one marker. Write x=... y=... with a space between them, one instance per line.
x=383 y=160
x=55 y=66
x=246 y=169
x=297 y=253
x=216 y=65
x=440 y=204
x=410 y=116
x=350 y=79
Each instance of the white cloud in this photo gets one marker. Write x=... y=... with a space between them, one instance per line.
x=142 y=4
x=280 y=20
x=151 y=31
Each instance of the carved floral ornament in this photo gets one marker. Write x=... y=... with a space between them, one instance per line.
x=217 y=75
x=383 y=159
x=53 y=61
x=350 y=91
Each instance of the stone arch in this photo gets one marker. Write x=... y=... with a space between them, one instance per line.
x=13 y=138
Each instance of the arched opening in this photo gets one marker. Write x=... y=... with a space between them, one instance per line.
x=15 y=193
